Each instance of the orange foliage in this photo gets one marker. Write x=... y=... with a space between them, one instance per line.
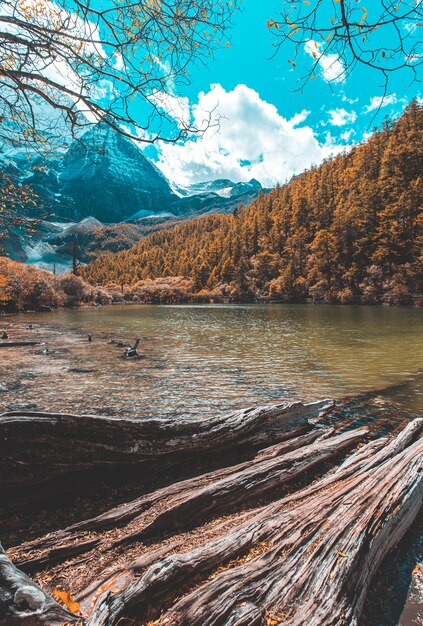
x=347 y=231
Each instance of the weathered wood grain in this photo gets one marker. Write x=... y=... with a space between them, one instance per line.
x=303 y=558
x=24 y=602
x=34 y=447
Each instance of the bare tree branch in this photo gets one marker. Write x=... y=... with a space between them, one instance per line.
x=67 y=64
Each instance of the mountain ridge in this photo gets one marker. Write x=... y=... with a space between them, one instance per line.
x=104 y=176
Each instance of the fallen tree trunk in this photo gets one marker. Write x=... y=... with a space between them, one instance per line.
x=34 y=447
x=184 y=504
x=14 y=344
x=123 y=514
x=226 y=548
x=306 y=559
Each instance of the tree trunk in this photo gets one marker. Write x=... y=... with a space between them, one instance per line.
x=34 y=447
x=305 y=559
x=292 y=535
x=186 y=503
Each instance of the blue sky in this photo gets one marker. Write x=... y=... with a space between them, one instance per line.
x=269 y=130
x=258 y=97
x=248 y=60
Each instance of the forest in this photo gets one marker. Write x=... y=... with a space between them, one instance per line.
x=26 y=288
x=349 y=230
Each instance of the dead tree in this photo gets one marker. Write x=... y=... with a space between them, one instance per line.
x=271 y=539
x=35 y=447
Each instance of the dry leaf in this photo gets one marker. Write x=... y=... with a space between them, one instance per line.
x=65 y=597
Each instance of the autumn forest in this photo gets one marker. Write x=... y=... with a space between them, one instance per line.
x=349 y=230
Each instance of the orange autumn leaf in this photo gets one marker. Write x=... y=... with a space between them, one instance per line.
x=65 y=597
x=271 y=23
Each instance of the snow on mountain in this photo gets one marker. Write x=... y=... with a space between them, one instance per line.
x=108 y=177
x=105 y=175
x=104 y=178
x=223 y=187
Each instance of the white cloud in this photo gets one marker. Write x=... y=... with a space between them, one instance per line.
x=119 y=63
x=341 y=117
x=331 y=66
x=410 y=27
x=349 y=100
x=346 y=136
x=254 y=141
x=299 y=118
x=377 y=102
x=58 y=70
x=414 y=58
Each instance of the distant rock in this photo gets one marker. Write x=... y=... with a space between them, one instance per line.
x=87 y=225
x=222 y=187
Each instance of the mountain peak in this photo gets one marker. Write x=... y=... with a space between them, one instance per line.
x=108 y=176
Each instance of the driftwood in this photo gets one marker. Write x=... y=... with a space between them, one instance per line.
x=132 y=351
x=190 y=501
x=291 y=534
x=34 y=447
x=13 y=344
x=306 y=559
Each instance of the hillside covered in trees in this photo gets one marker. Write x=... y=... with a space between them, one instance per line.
x=349 y=229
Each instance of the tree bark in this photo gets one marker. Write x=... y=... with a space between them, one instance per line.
x=186 y=503
x=228 y=547
x=305 y=559
x=34 y=447
x=24 y=602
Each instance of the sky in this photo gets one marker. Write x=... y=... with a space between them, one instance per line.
x=269 y=130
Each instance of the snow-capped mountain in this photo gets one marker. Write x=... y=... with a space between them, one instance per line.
x=108 y=177
x=222 y=187
x=104 y=178
x=104 y=175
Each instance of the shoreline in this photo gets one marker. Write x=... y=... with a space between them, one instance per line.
x=71 y=344
x=193 y=303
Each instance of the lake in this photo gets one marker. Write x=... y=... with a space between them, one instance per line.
x=201 y=360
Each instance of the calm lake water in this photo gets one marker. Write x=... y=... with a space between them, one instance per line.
x=207 y=359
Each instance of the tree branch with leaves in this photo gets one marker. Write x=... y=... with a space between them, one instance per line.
x=119 y=63
x=339 y=35
x=71 y=63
